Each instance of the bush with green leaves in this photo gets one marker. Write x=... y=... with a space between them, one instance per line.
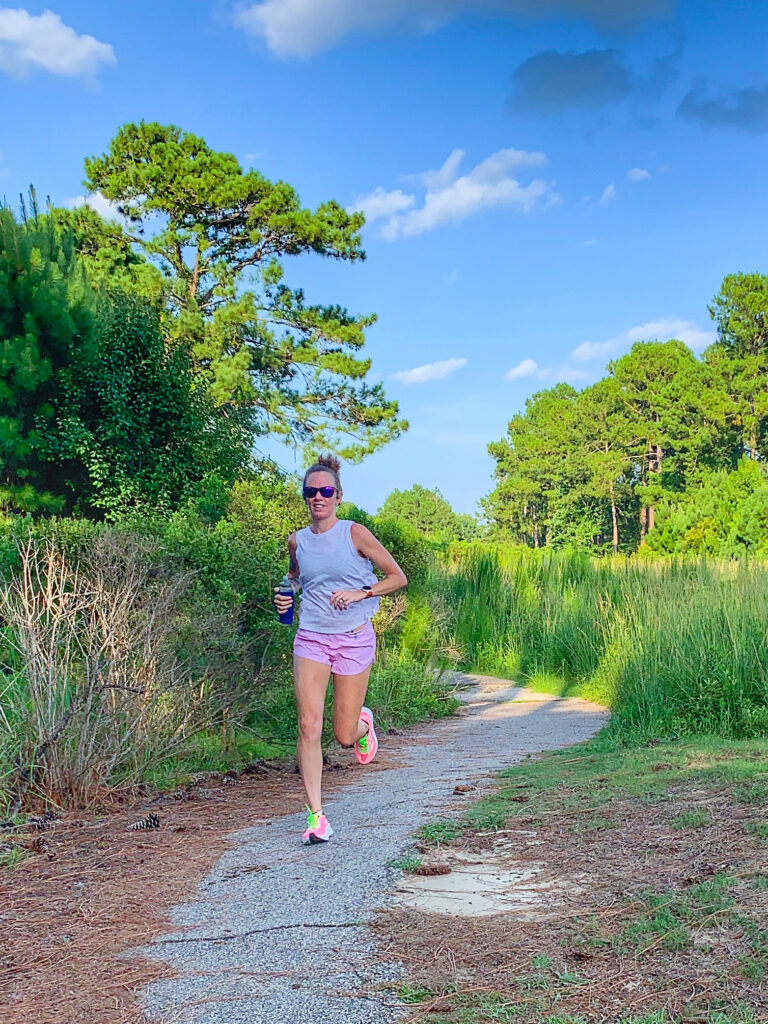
x=100 y=414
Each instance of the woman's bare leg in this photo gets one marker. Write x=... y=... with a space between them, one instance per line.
x=348 y=699
x=310 y=680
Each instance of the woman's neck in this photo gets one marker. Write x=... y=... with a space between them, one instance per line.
x=324 y=525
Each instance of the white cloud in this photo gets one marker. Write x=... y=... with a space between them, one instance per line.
x=589 y=242
x=609 y=194
x=430 y=371
x=97 y=202
x=638 y=174
x=380 y=203
x=299 y=28
x=452 y=278
x=684 y=330
x=450 y=199
x=443 y=176
x=34 y=42
x=573 y=374
x=524 y=369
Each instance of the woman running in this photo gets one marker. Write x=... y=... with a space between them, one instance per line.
x=330 y=562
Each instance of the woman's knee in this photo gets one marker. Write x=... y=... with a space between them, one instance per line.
x=310 y=726
x=345 y=733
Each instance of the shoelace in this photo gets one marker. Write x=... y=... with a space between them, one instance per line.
x=313 y=818
x=362 y=744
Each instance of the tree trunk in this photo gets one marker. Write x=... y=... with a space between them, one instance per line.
x=654 y=466
x=615 y=521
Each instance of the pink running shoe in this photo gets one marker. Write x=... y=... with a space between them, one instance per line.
x=365 y=748
x=318 y=829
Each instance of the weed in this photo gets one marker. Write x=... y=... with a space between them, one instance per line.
x=755 y=793
x=439 y=832
x=541 y=961
x=411 y=994
x=570 y=978
x=667 y=918
x=409 y=863
x=595 y=823
x=10 y=855
x=751 y=969
x=697 y=818
x=535 y=981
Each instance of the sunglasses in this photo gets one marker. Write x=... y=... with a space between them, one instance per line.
x=326 y=492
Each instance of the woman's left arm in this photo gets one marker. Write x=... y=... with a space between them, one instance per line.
x=394 y=577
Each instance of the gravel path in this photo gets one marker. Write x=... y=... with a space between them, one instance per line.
x=288 y=943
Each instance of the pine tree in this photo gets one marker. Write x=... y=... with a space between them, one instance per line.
x=219 y=236
x=46 y=319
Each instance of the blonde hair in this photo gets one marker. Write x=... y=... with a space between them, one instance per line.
x=326 y=464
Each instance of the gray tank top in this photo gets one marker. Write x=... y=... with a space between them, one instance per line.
x=329 y=561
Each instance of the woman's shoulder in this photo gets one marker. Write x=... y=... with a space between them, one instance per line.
x=357 y=531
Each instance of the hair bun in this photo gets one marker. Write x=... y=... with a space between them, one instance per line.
x=331 y=461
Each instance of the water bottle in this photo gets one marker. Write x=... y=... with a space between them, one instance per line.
x=286 y=587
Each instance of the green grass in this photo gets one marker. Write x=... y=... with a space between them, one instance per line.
x=210 y=752
x=495 y=1008
x=673 y=646
x=9 y=858
x=438 y=832
x=591 y=776
x=579 y=788
x=666 y=918
x=588 y=778
x=696 y=818
x=407 y=864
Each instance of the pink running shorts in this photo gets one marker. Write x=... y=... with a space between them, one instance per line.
x=348 y=654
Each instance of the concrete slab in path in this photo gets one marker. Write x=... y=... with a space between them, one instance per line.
x=289 y=943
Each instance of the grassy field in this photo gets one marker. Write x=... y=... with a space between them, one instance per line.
x=674 y=647
x=655 y=833
x=655 y=862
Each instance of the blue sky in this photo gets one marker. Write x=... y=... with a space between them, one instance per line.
x=542 y=190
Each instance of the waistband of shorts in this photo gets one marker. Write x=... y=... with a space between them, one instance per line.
x=343 y=632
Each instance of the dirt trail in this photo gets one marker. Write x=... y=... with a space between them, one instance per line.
x=277 y=932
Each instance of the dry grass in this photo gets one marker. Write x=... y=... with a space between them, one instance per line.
x=104 y=688
x=652 y=916
x=69 y=914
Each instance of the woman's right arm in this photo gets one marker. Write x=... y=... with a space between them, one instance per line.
x=283 y=601
x=293 y=565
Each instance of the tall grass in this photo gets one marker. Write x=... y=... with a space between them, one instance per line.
x=672 y=646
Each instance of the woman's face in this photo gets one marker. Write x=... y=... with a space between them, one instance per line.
x=320 y=507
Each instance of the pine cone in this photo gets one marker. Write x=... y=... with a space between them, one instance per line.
x=151 y=821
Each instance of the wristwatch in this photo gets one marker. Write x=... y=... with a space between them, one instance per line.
x=367 y=590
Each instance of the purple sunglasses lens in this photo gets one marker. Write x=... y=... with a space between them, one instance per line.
x=327 y=492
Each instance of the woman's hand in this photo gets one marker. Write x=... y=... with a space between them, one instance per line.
x=282 y=601
x=341 y=599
